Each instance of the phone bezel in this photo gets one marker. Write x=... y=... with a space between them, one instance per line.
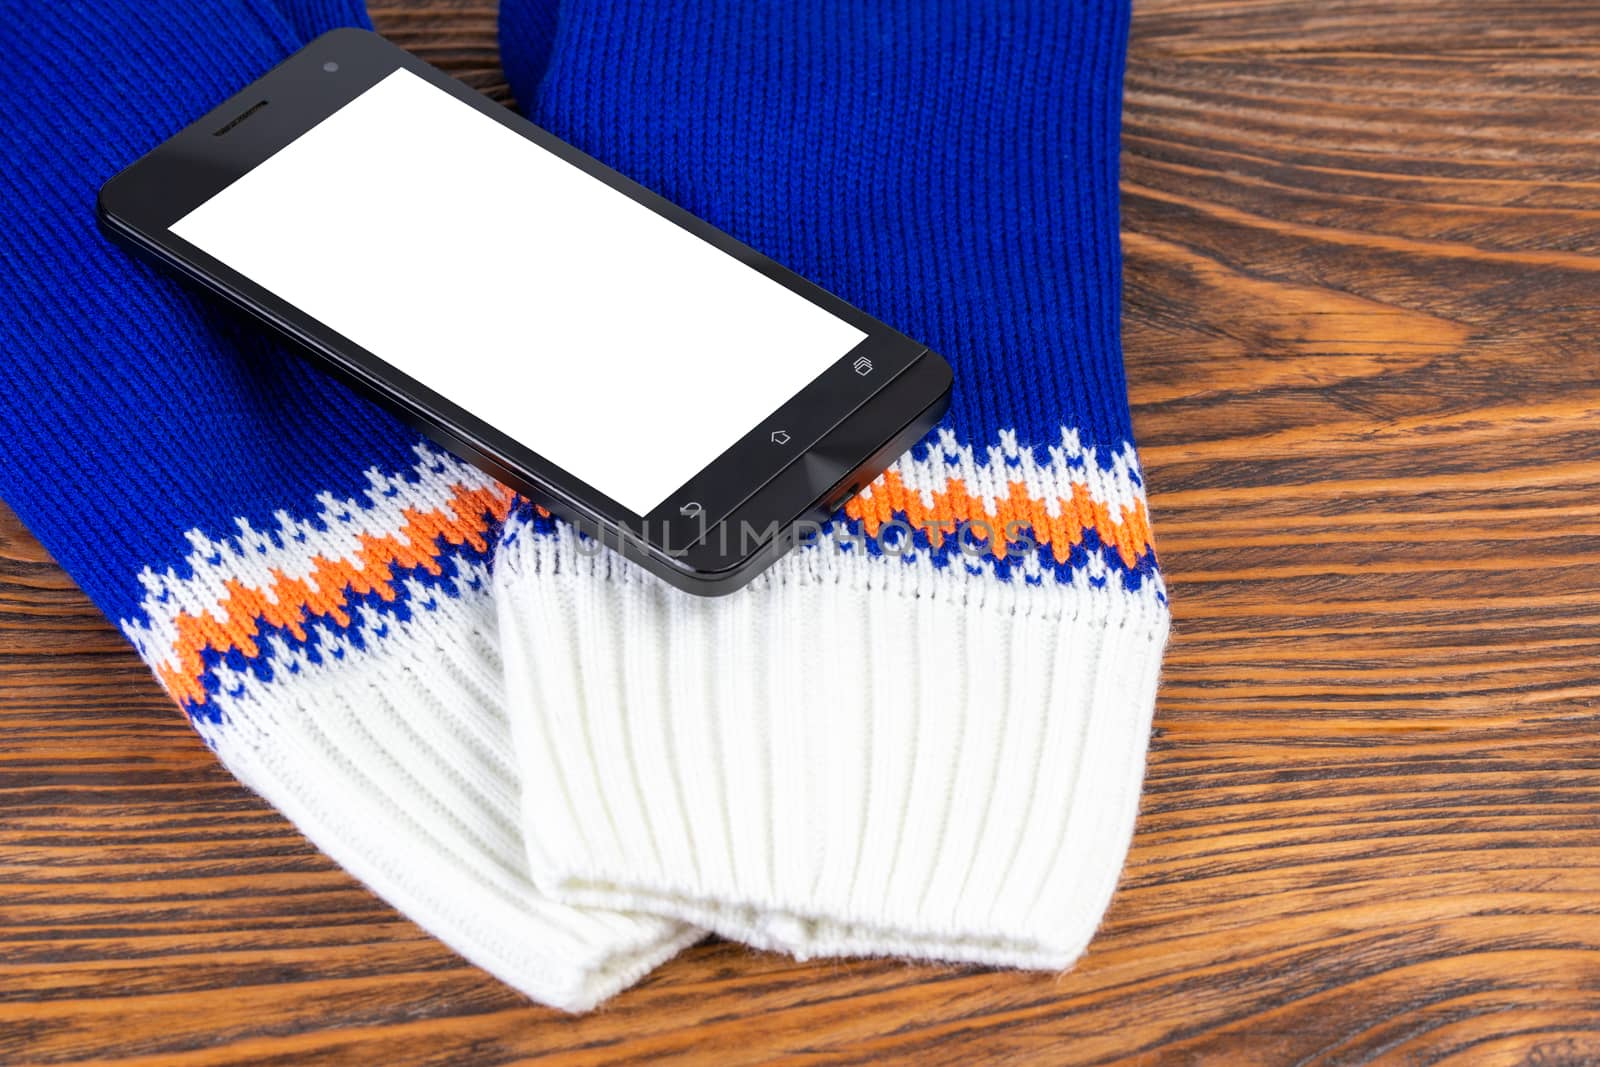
x=841 y=416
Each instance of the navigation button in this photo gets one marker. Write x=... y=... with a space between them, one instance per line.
x=692 y=510
x=780 y=437
x=863 y=366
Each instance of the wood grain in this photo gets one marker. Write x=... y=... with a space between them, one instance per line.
x=1362 y=307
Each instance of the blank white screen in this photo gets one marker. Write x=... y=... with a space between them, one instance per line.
x=583 y=325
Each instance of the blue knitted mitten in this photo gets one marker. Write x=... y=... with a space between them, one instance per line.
x=307 y=579
x=924 y=736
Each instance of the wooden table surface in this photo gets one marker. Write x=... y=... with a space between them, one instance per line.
x=1363 y=337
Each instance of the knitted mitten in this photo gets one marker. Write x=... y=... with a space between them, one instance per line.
x=308 y=581
x=900 y=740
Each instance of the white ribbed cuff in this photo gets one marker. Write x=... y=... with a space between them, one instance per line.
x=395 y=759
x=854 y=755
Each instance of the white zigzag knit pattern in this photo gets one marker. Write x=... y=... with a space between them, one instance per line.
x=294 y=549
x=1005 y=464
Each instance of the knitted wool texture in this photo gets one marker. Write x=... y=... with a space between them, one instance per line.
x=306 y=578
x=886 y=745
x=912 y=738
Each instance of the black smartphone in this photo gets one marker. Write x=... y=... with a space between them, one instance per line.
x=667 y=389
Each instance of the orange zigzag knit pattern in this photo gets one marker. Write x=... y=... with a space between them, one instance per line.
x=1128 y=531
x=324 y=592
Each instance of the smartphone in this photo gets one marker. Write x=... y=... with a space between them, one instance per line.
x=668 y=390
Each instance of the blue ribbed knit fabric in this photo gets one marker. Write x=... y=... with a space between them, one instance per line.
x=133 y=409
x=949 y=167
